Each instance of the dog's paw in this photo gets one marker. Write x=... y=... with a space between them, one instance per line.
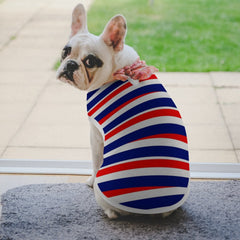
x=111 y=214
x=166 y=214
x=90 y=181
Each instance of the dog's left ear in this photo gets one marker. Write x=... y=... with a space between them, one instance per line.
x=79 y=20
x=115 y=32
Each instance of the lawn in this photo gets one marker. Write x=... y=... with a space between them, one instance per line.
x=173 y=35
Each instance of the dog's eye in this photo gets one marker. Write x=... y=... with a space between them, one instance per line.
x=92 y=61
x=66 y=51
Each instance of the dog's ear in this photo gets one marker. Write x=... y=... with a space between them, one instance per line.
x=115 y=32
x=79 y=20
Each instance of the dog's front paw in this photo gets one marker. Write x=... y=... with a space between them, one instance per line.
x=111 y=214
x=90 y=181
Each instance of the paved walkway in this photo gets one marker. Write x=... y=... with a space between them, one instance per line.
x=42 y=118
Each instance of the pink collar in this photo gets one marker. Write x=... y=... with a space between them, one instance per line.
x=138 y=71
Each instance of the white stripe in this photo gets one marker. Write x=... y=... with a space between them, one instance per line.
x=133 y=82
x=112 y=100
x=140 y=100
x=140 y=172
x=161 y=192
x=140 y=113
x=97 y=93
x=144 y=124
x=148 y=143
x=156 y=210
x=100 y=91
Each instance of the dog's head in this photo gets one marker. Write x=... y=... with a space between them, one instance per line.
x=88 y=61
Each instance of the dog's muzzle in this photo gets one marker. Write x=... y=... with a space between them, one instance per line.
x=69 y=69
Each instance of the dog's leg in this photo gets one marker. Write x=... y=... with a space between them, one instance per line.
x=167 y=214
x=97 y=152
x=110 y=211
x=97 y=146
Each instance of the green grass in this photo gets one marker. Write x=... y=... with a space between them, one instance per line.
x=173 y=35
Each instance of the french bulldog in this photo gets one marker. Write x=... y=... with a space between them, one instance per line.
x=140 y=163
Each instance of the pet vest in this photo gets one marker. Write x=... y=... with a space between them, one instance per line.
x=145 y=164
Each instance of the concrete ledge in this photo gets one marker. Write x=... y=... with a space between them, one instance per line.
x=198 y=170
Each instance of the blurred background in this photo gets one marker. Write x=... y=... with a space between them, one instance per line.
x=195 y=45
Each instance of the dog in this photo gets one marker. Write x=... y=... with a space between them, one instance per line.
x=138 y=140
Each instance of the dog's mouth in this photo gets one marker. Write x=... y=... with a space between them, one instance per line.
x=68 y=75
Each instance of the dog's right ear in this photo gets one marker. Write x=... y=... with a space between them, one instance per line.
x=79 y=20
x=115 y=32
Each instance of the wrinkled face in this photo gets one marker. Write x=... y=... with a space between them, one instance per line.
x=82 y=61
x=87 y=60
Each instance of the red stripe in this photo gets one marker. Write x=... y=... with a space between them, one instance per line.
x=143 y=117
x=150 y=163
x=110 y=96
x=153 y=76
x=121 y=106
x=167 y=135
x=113 y=193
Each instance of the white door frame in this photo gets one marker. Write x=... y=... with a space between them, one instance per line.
x=19 y=166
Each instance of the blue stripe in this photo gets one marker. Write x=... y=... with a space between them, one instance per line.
x=155 y=202
x=145 y=132
x=153 y=103
x=144 y=181
x=135 y=93
x=90 y=94
x=104 y=93
x=152 y=151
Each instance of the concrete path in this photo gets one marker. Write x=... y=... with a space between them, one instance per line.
x=42 y=118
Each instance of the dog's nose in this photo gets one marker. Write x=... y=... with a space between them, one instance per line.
x=71 y=66
x=69 y=69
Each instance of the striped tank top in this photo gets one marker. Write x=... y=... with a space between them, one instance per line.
x=145 y=161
